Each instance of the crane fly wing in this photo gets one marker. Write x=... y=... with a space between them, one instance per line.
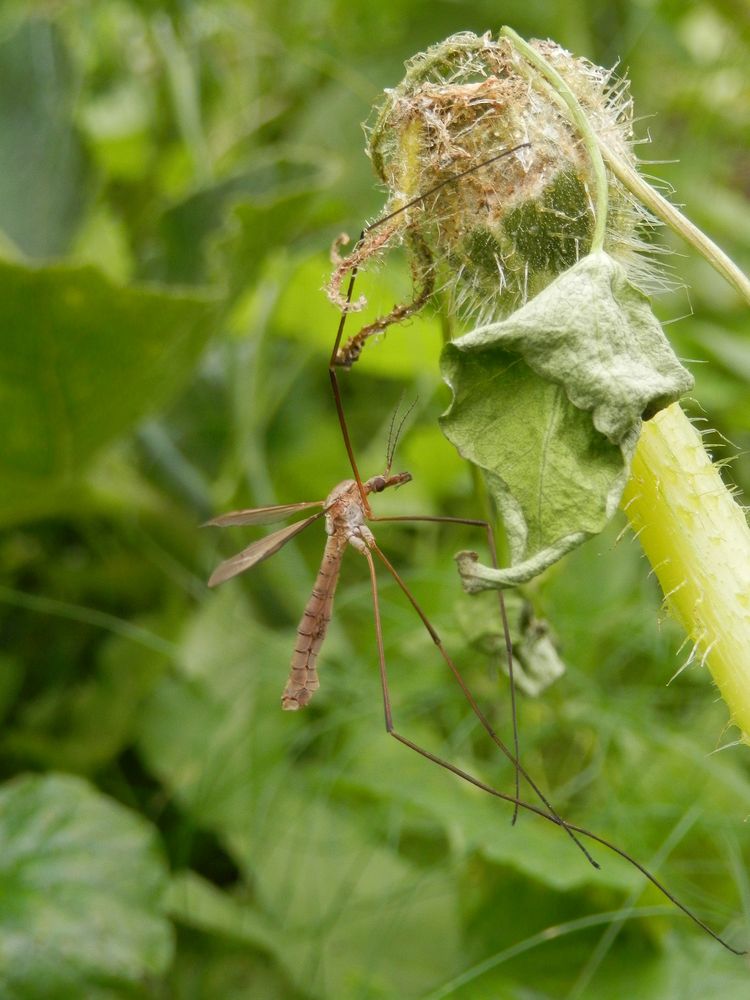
x=258 y=551
x=261 y=515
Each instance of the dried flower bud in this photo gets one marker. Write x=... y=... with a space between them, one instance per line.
x=503 y=232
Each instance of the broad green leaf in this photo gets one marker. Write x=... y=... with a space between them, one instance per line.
x=44 y=168
x=549 y=404
x=82 y=361
x=81 y=886
x=208 y=965
x=478 y=822
x=348 y=902
x=208 y=731
x=83 y=725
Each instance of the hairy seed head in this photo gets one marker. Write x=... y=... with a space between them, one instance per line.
x=502 y=233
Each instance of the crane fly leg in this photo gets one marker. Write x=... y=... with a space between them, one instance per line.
x=346 y=303
x=478 y=711
x=337 y=392
x=475 y=523
x=571 y=828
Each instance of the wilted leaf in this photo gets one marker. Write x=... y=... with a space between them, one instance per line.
x=536 y=662
x=549 y=403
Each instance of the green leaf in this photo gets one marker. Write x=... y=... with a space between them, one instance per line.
x=347 y=903
x=200 y=731
x=478 y=823
x=210 y=966
x=81 y=885
x=44 y=168
x=549 y=403
x=82 y=726
x=82 y=361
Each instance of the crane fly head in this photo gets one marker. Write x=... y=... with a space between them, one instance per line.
x=379 y=483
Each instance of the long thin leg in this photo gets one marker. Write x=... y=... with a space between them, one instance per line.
x=519 y=803
x=337 y=392
x=475 y=707
x=423 y=282
x=471 y=522
x=452 y=179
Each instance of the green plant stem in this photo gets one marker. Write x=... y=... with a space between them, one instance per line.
x=698 y=543
x=580 y=120
x=674 y=218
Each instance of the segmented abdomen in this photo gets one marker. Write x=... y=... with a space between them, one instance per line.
x=303 y=675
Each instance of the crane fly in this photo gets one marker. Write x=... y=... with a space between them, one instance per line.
x=346 y=511
x=345 y=522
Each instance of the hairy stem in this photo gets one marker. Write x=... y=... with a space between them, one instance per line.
x=698 y=542
x=580 y=120
x=676 y=221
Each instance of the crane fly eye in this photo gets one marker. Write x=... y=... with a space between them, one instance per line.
x=378 y=484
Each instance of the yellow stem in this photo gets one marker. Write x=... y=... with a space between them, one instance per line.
x=698 y=542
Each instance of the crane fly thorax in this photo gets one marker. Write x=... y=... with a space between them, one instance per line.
x=345 y=515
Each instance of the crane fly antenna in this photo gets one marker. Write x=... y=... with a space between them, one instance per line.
x=393 y=436
x=452 y=179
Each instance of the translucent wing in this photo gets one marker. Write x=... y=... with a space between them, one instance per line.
x=261 y=515
x=258 y=551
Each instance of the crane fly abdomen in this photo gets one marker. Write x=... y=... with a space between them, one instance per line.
x=345 y=524
x=303 y=674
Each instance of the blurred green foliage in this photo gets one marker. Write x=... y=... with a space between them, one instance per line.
x=171 y=177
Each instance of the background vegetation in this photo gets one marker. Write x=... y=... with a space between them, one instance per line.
x=171 y=177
